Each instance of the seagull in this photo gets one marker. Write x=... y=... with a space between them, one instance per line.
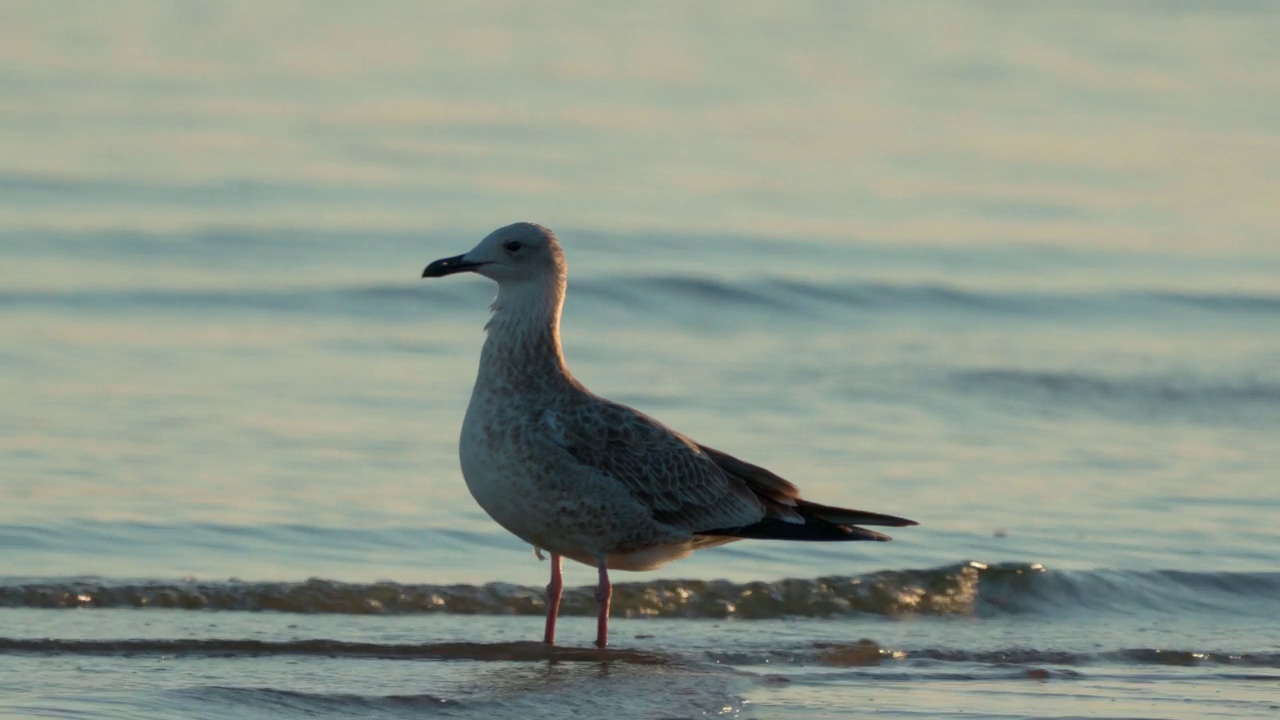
x=596 y=481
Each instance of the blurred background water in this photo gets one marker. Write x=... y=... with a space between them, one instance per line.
x=1007 y=269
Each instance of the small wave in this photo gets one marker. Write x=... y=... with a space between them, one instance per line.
x=156 y=298
x=230 y=648
x=862 y=653
x=705 y=288
x=964 y=589
x=770 y=293
x=794 y=295
x=951 y=590
x=276 y=700
x=397 y=302
x=870 y=653
x=1223 y=302
x=1149 y=396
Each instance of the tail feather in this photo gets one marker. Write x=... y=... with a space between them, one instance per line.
x=813 y=530
x=782 y=505
x=847 y=516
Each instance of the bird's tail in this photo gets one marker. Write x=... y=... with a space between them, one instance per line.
x=822 y=523
x=846 y=516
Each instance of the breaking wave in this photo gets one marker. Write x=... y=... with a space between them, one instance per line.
x=964 y=589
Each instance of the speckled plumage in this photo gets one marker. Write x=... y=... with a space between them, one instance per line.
x=590 y=479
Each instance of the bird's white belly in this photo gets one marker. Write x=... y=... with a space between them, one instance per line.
x=560 y=509
x=498 y=486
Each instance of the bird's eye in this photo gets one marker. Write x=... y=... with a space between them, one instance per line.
x=513 y=246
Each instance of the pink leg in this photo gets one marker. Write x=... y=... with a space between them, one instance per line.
x=554 y=589
x=604 y=593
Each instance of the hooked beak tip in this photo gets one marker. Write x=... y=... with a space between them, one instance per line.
x=449 y=266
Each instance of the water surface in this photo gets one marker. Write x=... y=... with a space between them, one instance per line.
x=1008 y=271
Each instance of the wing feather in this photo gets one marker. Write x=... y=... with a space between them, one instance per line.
x=673 y=476
x=694 y=487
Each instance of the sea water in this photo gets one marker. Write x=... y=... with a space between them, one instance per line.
x=1010 y=271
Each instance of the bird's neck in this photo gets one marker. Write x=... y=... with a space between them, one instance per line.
x=523 y=345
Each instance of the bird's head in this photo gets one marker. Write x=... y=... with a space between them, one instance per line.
x=517 y=253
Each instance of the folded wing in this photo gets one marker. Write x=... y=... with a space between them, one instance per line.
x=697 y=488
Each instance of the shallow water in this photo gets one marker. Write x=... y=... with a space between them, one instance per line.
x=1008 y=272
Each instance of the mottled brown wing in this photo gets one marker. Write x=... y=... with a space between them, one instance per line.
x=670 y=474
x=764 y=483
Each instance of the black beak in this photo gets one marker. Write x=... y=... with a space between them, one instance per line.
x=449 y=266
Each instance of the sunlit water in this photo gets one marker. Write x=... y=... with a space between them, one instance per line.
x=1009 y=271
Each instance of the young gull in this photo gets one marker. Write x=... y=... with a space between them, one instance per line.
x=595 y=481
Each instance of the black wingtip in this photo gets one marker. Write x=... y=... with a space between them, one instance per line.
x=848 y=516
x=812 y=530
